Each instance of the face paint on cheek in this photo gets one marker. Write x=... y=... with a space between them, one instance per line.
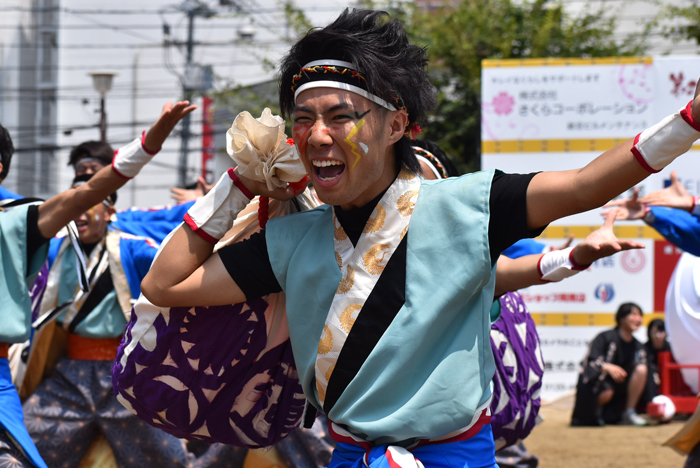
x=301 y=133
x=97 y=217
x=364 y=147
x=353 y=146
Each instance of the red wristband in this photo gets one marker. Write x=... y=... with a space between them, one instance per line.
x=237 y=182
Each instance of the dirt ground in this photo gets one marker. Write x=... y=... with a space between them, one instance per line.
x=557 y=445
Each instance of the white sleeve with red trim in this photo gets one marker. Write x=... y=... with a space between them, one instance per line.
x=657 y=146
x=558 y=264
x=129 y=160
x=212 y=215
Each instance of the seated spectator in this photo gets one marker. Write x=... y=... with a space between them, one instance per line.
x=657 y=342
x=613 y=374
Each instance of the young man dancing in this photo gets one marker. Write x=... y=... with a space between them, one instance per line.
x=388 y=287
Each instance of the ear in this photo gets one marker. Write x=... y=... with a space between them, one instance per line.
x=1 y=169
x=398 y=120
x=110 y=211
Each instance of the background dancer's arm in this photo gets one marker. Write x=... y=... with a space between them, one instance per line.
x=554 y=195
x=188 y=272
x=58 y=211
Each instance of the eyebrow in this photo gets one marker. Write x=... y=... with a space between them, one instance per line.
x=341 y=106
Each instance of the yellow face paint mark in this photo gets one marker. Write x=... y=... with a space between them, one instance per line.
x=352 y=133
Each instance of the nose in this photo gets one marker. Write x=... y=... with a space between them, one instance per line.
x=320 y=135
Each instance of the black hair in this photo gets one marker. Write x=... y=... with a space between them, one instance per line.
x=624 y=310
x=91 y=149
x=82 y=178
x=438 y=153
x=378 y=48
x=656 y=323
x=7 y=149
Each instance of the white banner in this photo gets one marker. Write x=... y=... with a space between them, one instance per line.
x=555 y=102
x=560 y=114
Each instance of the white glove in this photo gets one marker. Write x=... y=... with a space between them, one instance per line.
x=657 y=146
x=212 y=215
x=558 y=264
x=129 y=160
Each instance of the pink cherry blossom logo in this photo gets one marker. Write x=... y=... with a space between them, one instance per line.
x=503 y=103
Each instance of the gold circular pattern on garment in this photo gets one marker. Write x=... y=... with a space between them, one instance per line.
x=321 y=393
x=325 y=344
x=403 y=233
x=346 y=318
x=339 y=260
x=338 y=231
x=373 y=264
x=347 y=282
x=329 y=373
x=376 y=223
x=405 y=174
x=405 y=203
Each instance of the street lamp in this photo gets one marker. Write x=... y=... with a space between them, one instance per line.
x=102 y=82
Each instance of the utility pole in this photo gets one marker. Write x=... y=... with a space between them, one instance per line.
x=190 y=84
x=187 y=92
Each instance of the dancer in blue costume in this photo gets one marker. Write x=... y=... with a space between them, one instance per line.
x=24 y=234
x=389 y=286
x=76 y=401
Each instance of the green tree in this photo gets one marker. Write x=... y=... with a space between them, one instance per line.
x=459 y=35
x=688 y=28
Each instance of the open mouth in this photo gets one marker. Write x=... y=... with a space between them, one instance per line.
x=327 y=170
x=81 y=225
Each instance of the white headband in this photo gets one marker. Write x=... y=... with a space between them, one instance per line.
x=430 y=165
x=340 y=85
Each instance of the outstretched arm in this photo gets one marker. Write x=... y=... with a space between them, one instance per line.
x=58 y=211
x=530 y=270
x=554 y=195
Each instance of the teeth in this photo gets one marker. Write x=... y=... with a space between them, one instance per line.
x=325 y=163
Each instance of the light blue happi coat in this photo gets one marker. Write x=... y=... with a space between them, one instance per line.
x=107 y=319
x=433 y=366
x=16 y=276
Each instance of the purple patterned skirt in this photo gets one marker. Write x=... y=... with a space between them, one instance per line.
x=519 y=370
x=218 y=374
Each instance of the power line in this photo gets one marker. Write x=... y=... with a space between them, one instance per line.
x=87 y=11
x=231 y=42
x=119 y=66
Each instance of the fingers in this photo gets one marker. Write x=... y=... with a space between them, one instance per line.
x=615 y=203
x=610 y=217
x=630 y=245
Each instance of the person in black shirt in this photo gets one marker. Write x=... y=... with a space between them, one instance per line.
x=356 y=91
x=656 y=333
x=613 y=374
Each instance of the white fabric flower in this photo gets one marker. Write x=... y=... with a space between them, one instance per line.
x=260 y=149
